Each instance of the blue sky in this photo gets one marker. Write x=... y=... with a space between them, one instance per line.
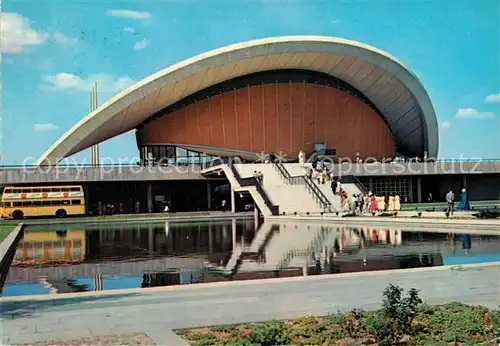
x=53 y=50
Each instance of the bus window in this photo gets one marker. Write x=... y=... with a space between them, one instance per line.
x=45 y=189
x=45 y=202
x=64 y=189
x=7 y=191
x=76 y=201
x=56 y=189
x=65 y=202
x=37 y=203
x=75 y=189
x=55 y=202
x=25 y=190
x=26 y=204
x=6 y=204
x=37 y=190
x=18 y=204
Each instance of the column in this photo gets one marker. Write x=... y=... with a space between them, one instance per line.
x=233 y=233
x=419 y=189
x=210 y=241
x=464 y=181
x=149 y=194
x=151 y=239
x=256 y=217
x=209 y=195
x=370 y=184
x=233 y=200
x=410 y=192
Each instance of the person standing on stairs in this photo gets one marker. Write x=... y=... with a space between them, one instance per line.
x=302 y=158
x=334 y=186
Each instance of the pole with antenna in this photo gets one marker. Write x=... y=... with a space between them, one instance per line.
x=94 y=150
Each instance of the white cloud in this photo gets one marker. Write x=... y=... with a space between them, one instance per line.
x=44 y=127
x=68 y=81
x=129 y=29
x=141 y=44
x=445 y=124
x=60 y=38
x=473 y=113
x=16 y=33
x=492 y=98
x=129 y=14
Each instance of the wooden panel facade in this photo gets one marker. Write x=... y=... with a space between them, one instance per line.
x=280 y=117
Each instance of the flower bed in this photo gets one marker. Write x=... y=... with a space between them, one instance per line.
x=401 y=321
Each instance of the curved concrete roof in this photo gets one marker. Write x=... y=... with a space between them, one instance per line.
x=385 y=81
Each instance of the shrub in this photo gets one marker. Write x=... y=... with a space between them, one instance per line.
x=395 y=319
x=270 y=333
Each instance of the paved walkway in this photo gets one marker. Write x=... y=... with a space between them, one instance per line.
x=157 y=311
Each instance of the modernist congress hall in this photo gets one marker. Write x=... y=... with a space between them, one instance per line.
x=279 y=94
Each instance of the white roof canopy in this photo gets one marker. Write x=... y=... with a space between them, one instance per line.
x=387 y=83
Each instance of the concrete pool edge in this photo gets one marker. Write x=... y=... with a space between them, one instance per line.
x=379 y=221
x=215 y=285
x=8 y=248
x=128 y=220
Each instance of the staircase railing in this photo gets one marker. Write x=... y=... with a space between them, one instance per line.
x=310 y=185
x=314 y=190
x=290 y=254
x=354 y=180
x=283 y=172
x=252 y=181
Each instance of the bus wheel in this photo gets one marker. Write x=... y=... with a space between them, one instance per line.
x=61 y=213
x=17 y=214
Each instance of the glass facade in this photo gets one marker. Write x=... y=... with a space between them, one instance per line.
x=166 y=155
x=386 y=186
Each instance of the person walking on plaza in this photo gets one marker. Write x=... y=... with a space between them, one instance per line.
x=391 y=203
x=450 y=200
x=397 y=203
x=373 y=203
x=366 y=203
x=381 y=203
x=464 y=201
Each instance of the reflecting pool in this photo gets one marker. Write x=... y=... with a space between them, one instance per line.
x=92 y=258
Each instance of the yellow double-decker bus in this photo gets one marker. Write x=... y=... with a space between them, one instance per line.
x=35 y=201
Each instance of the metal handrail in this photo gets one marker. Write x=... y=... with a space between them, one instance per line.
x=290 y=254
x=318 y=194
x=252 y=181
x=359 y=184
x=282 y=171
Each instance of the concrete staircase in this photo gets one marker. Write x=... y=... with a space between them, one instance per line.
x=285 y=187
x=291 y=197
x=245 y=184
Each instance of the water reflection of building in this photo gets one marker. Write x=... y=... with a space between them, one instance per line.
x=317 y=248
x=44 y=247
x=149 y=255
